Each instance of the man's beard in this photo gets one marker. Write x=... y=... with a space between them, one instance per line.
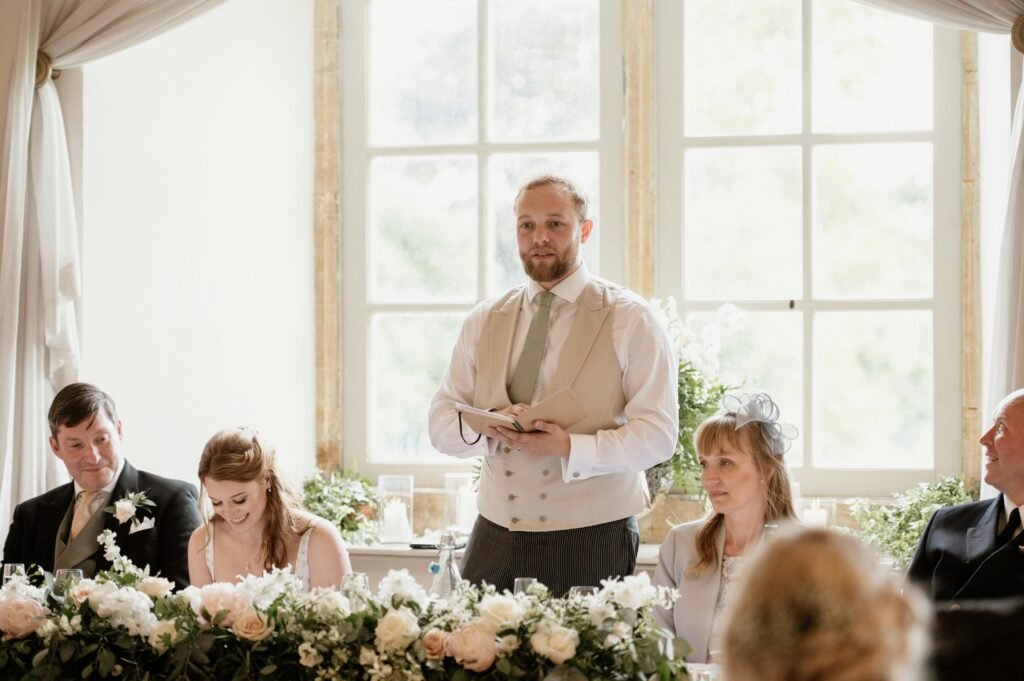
x=555 y=271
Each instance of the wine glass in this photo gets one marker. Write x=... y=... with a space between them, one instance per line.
x=63 y=579
x=356 y=587
x=522 y=584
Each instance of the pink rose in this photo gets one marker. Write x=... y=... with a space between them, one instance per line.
x=220 y=596
x=472 y=646
x=433 y=644
x=20 y=616
x=251 y=626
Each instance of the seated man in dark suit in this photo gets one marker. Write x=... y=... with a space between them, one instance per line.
x=976 y=550
x=59 y=529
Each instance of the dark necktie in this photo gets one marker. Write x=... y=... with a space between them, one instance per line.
x=1012 y=525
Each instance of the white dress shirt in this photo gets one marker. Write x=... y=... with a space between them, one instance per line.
x=649 y=373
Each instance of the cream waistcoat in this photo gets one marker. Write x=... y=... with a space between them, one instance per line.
x=524 y=492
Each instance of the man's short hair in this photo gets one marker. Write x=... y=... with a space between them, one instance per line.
x=579 y=199
x=78 y=402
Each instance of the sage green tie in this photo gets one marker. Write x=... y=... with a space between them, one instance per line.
x=524 y=380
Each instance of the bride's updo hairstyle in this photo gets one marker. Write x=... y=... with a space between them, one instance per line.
x=239 y=455
x=748 y=423
x=816 y=605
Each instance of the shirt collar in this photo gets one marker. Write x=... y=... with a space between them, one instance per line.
x=568 y=289
x=1008 y=507
x=109 y=487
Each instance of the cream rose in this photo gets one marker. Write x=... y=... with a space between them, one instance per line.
x=472 y=646
x=507 y=645
x=397 y=629
x=219 y=596
x=251 y=625
x=499 y=612
x=309 y=656
x=20 y=616
x=557 y=643
x=155 y=587
x=433 y=644
x=80 y=591
x=124 y=510
x=156 y=635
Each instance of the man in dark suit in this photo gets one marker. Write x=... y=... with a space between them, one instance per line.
x=976 y=550
x=60 y=529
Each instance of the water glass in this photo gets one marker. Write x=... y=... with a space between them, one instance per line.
x=356 y=587
x=12 y=569
x=583 y=591
x=523 y=584
x=63 y=579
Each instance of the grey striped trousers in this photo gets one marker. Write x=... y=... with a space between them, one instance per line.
x=560 y=560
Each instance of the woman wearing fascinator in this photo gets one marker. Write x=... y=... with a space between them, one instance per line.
x=741 y=451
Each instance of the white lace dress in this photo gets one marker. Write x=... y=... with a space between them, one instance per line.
x=301 y=566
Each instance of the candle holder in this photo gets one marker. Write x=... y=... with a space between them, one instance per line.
x=460 y=501
x=396 y=508
x=818 y=512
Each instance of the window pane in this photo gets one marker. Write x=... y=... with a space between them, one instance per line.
x=508 y=172
x=873 y=221
x=742 y=223
x=741 y=63
x=435 y=102
x=410 y=353
x=423 y=229
x=546 y=67
x=873 y=390
x=873 y=69
x=758 y=351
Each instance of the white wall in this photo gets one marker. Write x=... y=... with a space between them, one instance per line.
x=197 y=185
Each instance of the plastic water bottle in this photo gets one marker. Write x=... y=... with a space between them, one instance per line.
x=446 y=573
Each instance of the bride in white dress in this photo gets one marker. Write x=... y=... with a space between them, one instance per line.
x=257 y=522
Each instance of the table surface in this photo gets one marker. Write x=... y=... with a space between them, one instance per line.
x=646 y=556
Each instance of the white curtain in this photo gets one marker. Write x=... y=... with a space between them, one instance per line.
x=39 y=254
x=1006 y=369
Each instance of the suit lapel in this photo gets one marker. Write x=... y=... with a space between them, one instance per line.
x=981 y=538
x=590 y=317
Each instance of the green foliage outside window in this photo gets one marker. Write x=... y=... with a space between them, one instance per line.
x=348 y=500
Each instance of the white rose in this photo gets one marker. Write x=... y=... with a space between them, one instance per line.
x=157 y=633
x=251 y=625
x=220 y=596
x=557 y=643
x=507 y=645
x=20 y=616
x=80 y=591
x=367 y=657
x=498 y=612
x=156 y=587
x=397 y=629
x=635 y=591
x=472 y=646
x=309 y=656
x=99 y=593
x=124 y=510
x=332 y=603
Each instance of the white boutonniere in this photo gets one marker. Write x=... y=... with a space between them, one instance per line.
x=128 y=507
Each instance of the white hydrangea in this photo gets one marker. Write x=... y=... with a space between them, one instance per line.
x=401 y=585
x=266 y=588
x=634 y=592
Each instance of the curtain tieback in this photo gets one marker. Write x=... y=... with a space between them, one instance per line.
x=1017 y=34
x=44 y=69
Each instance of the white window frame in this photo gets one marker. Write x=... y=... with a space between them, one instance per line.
x=945 y=303
x=604 y=254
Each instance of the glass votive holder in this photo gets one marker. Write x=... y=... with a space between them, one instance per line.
x=818 y=513
x=522 y=584
x=460 y=501
x=396 y=508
